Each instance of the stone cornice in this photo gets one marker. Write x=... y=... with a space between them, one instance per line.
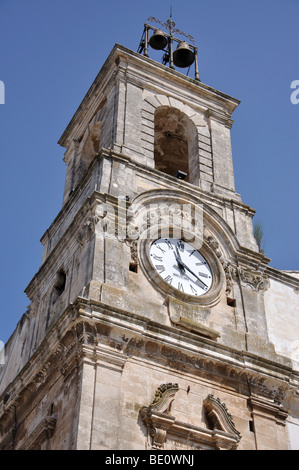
x=283 y=277
x=267 y=409
x=222 y=118
x=272 y=379
x=189 y=343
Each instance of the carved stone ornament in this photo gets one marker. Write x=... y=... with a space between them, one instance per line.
x=254 y=279
x=153 y=415
x=164 y=397
x=133 y=250
x=163 y=426
x=219 y=416
x=42 y=433
x=227 y=267
x=87 y=229
x=155 y=216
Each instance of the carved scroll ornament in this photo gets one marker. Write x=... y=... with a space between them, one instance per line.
x=162 y=425
x=219 y=417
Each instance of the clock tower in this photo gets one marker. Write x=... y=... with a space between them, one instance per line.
x=148 y=325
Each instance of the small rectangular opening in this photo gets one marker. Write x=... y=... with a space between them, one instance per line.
x=133 y=267
x=231 y=302
x=251 y=426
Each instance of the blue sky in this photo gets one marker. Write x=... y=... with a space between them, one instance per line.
x=50 y=53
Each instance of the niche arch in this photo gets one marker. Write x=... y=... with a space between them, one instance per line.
x=175 y=143
x=90 y=144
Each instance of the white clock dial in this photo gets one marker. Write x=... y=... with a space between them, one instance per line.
x=181 y=266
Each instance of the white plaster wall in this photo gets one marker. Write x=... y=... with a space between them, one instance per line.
x=282 y=316
x=293 y=429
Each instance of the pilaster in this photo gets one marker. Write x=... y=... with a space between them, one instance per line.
x=269 y=419
x=220 y=125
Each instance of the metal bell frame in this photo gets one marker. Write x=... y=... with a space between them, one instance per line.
x=168 y=57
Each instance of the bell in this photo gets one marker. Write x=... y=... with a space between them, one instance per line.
x=183 y=56
x=158 y=40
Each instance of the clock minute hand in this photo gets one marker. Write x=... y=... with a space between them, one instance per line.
x=200 y=282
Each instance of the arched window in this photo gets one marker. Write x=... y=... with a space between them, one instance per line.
x=59 y=285
x=176 y=144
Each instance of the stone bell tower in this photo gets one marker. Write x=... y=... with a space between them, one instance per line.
x=148 y=326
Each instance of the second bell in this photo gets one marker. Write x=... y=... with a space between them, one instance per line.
x=183 y=56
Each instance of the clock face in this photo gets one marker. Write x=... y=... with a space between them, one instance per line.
x=181 y=266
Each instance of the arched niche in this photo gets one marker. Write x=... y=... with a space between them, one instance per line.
x=91 y=144
x=176 y=143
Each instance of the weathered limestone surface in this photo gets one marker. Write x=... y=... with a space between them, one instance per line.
x=106 y=357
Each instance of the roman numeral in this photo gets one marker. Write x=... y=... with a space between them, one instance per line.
x=168 y=279
x=168 y=244
x=181 y=245
x=157 y=258
x=201 y=263
x=180 y=286
x=203 y=275
x=160 y=268
x=194 y=291
x=160 y=248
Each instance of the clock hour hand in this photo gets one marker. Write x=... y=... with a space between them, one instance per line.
x=179 y=260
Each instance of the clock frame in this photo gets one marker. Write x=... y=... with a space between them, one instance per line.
x=208 y=298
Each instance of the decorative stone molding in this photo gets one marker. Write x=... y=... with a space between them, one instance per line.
x=7 y=441
x=228 y=270
x=190 y=316
x=43 y=432
x=254 y=279
x=164 y=397
x=32 y=309
x=221 y=117
x=219 y=416
x=132 y=244
x=88 y=229
x=162 y=425
x=227 y=267
x=164 y=213
x=267 y=409
x=110 y=359
x=157 y=416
